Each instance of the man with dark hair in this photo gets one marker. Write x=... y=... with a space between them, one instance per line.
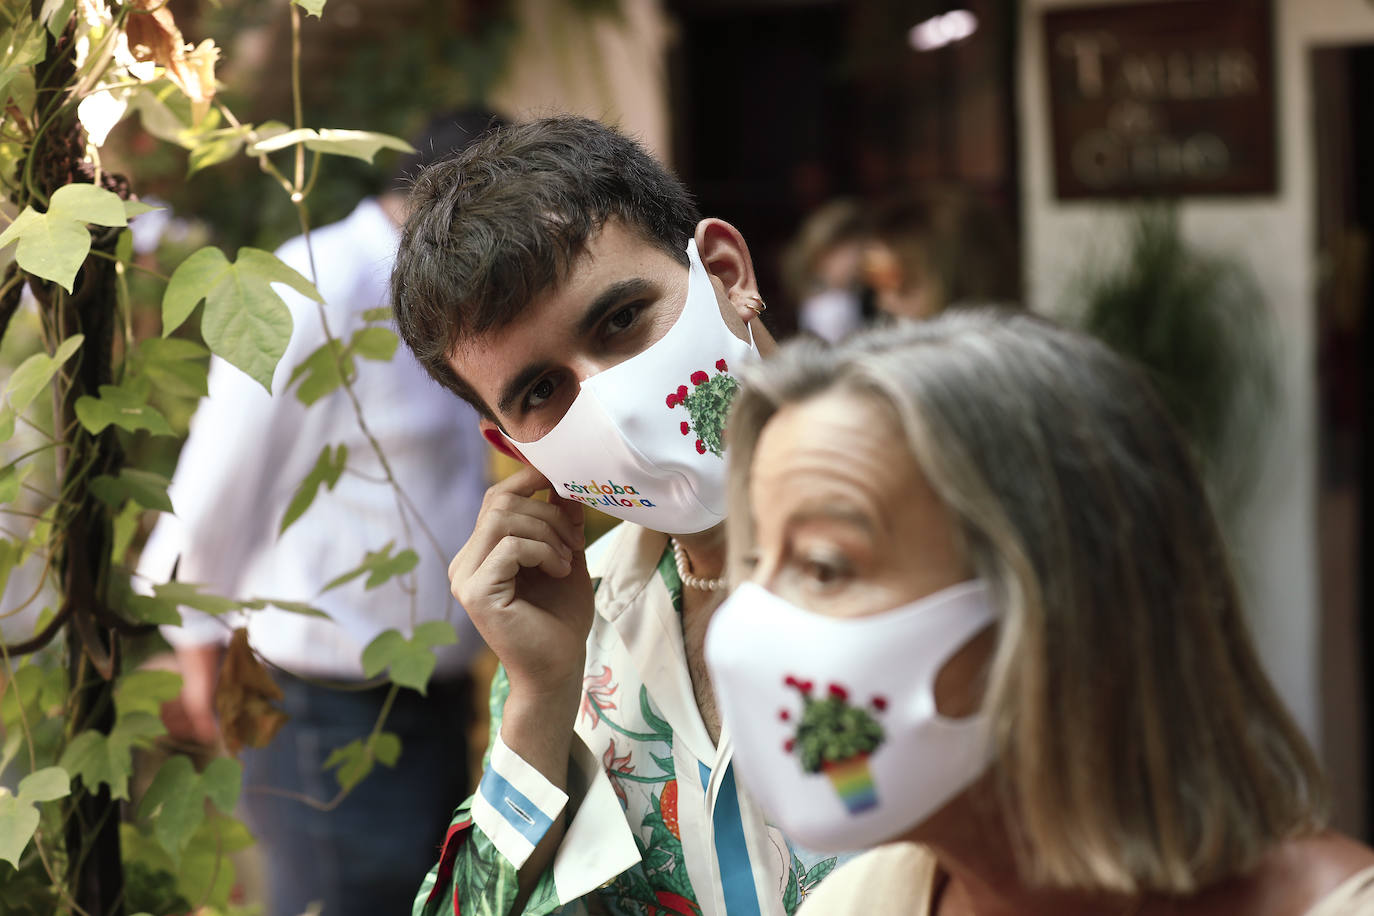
x=247 y=453
x=562 y=281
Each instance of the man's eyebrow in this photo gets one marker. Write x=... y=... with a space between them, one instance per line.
x=611 y=297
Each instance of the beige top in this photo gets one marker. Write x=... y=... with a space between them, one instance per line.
x=899 y=879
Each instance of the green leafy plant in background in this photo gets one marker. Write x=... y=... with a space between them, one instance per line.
x=80 y=833
x=1199 y=325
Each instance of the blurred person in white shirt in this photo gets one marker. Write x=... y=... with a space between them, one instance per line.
x=247 y=453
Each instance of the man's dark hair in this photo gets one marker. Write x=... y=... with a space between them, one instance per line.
x=443 y=136
x=495 y=226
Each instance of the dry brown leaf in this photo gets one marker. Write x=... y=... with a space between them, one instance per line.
x=153 y=35
x=244 y=698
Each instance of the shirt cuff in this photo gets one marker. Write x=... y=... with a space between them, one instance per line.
x=515 y=805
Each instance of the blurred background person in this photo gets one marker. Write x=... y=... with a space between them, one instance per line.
x=937 y=248
x=1034 y=663
x=823 y=271
x=366 y=855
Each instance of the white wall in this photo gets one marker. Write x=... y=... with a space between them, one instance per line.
x=1276 y=236
x=612 y=67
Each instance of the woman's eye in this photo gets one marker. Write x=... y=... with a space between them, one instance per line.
x=823 y=572
x=541 y=392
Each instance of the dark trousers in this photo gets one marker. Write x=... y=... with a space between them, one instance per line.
x=368 y=856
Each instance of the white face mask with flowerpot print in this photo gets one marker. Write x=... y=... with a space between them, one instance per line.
x=642 y=440
x=833 y=719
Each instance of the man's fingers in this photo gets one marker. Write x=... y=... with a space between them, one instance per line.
x=505 y=510
x=534 y=528
x=516 y=553
x=525 y=482
x=574 y=514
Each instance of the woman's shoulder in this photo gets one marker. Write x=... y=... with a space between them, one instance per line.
x=1339 y=875
x=895 y=878
x=1324 y=874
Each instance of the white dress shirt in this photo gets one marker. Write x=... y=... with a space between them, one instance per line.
x=248 y=451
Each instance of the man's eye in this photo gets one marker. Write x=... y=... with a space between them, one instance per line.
x=623 y=319
x=541 y=392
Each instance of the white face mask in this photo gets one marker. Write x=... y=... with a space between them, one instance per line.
x=833 y=720
x=642 y=440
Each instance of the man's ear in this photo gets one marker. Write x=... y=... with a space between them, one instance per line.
x=492 y=433
x=726 y=258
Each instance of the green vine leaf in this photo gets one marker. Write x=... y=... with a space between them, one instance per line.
x=222 y=780
x=56 y=13
x=379 y=565
x=10 y=480
x=147 y=489
x=47 y=784
x=19 y=813
x=27 y=47
x=246 y=322
x=387 y=748
x=217 y=146
x=134 y=208
x=356 y=144
x=108 y=759
x=321 y=371
x=122 y=407
x=146 y=608
x=145 y=690
x=189 y=595
x=328 y=467
x=313 y=7
x=175 y=802
x=175 y=365
x=375 y=343
x=294 y=607
x=54 y=244
x=411 y=660
x=34 y=374
x=18 y=821
x=353 y=762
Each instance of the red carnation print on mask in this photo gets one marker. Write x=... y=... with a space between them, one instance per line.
x=836 y=739
x=879 y=703
x=707 y=403
x=785 y=714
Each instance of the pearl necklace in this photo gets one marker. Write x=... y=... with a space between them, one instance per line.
x=684 y=572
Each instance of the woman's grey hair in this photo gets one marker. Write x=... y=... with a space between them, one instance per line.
x=1139 y=744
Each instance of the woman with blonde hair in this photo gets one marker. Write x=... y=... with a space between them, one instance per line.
x=988 y=619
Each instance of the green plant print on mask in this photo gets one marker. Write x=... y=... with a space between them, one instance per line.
x=707 y=402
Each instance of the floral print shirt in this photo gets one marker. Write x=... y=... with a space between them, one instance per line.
x=657 y=825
